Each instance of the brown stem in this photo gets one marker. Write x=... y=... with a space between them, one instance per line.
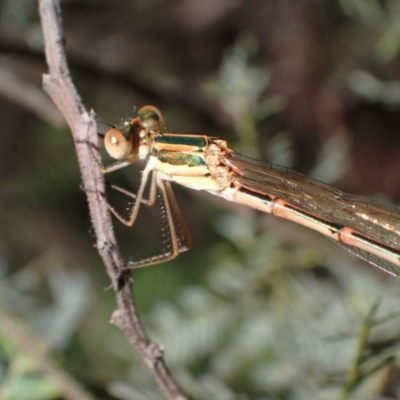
x=59 y=86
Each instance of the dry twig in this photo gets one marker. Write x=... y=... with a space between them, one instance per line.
x=59 y=86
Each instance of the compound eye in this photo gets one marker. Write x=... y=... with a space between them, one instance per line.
x=116 y=144
x=151 y=118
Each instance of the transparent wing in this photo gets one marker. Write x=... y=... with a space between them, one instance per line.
x=378 y=222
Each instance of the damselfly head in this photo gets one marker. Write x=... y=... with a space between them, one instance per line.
x=151 y=118
x=118 y=143
x=131 y=140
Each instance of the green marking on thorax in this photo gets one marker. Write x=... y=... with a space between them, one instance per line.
x=199 y=142
x=179 y=158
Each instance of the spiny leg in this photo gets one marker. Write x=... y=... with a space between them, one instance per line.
x=139 y=197
x=185 y=236
x=152 y=195
x=168 y=200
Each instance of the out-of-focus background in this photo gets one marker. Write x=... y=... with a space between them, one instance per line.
x=260 y=308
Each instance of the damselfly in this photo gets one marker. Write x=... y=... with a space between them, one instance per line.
x=362 y=226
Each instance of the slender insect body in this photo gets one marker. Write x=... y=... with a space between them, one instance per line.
x=365 y=228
